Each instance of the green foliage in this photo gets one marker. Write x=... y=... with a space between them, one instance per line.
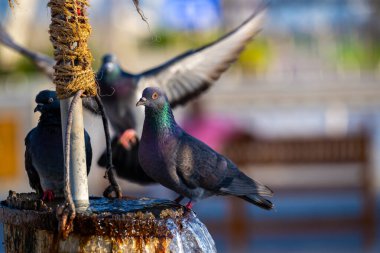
x=357 y=54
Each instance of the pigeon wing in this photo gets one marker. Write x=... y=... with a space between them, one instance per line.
x=34 y=178
x=187 y=75
x=196 y=164
x=43 y=62
x=200 y=166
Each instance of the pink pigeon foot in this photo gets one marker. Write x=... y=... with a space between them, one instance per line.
x=48 y=195
x=127 y=138
x=189 y=205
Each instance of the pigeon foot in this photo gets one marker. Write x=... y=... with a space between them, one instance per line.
x=189 y=205
x=48 y=195
x=128 y=138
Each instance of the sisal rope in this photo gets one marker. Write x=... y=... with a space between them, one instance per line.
x=69 y=32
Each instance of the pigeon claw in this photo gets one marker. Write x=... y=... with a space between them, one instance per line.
x=48 y=195
x=189 y=205
x=128 y=138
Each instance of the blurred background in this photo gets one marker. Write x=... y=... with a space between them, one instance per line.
x=299 y=111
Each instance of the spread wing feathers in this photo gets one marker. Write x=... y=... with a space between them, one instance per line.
x=34 y=179
x=200 y=166
x=43 y=62
x=187 y=75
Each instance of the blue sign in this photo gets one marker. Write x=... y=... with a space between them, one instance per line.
x=191 y=14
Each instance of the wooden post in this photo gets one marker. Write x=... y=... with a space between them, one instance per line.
x=69 y=32
x=78 y=168
x=113 y=225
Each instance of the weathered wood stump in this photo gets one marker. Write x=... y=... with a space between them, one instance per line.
x=109 y=225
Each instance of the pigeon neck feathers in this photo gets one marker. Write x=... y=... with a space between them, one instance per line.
x=160 y=119
x=50 y=118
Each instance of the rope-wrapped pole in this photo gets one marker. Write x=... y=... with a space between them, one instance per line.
x=69 y=33
x=73 y=75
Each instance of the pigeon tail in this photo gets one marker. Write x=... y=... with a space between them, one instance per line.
x=258 y=201
x=244 y=185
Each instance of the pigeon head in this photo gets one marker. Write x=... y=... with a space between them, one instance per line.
x=158 y=113
x=109 y=69
x=47 y=101
x=153 y=98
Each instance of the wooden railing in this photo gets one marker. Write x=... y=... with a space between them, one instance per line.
x=251 y=153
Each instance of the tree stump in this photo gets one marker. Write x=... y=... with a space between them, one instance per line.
x=109 y=225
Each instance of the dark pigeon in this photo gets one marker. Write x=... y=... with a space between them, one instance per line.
x=181 y=78
x=186 y=165
x=44 y=149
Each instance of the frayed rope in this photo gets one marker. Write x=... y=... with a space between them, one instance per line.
x=69 y=32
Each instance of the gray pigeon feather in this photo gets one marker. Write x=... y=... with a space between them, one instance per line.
x=186 y=165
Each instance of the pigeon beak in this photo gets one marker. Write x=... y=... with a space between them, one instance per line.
x=38 y=108
x=142 y=101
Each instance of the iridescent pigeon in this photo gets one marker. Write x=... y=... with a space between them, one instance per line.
x=186 y=165
x=44 y=150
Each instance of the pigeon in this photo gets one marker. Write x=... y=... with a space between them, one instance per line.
x=186 y=165
x=44 y=161
x=183 y=78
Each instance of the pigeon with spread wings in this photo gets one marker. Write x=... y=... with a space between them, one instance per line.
x=182 y=78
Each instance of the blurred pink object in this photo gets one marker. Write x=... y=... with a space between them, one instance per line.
x=214 y=130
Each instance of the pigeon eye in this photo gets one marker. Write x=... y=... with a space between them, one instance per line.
x=155 y=95
x=50 y=100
